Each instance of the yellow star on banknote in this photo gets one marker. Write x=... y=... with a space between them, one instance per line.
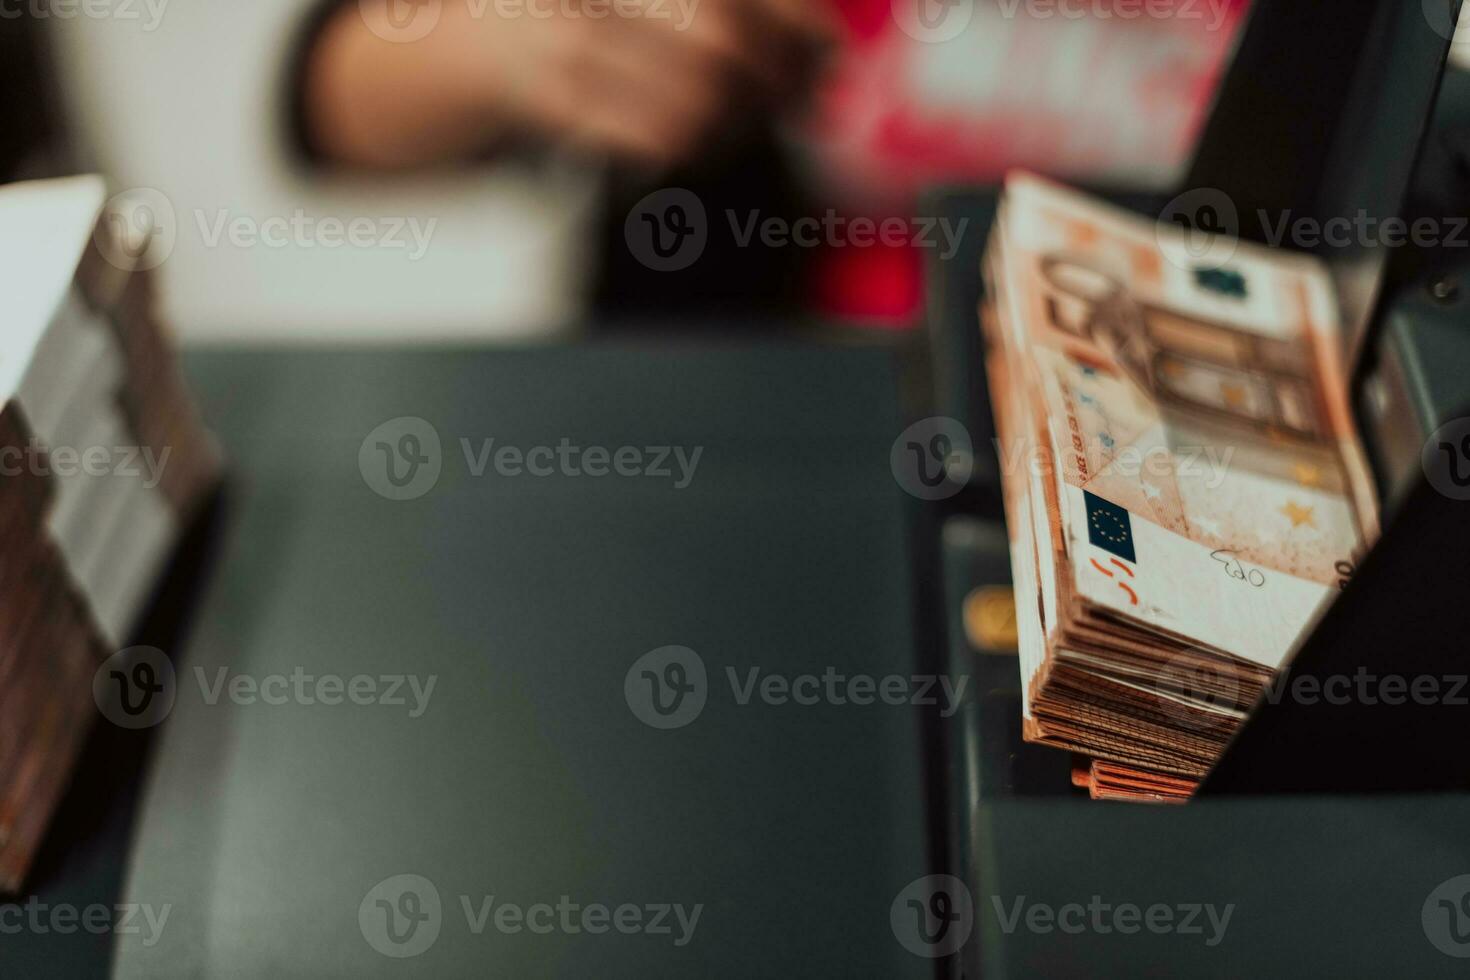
x=1298 y=514
x=1307 y=475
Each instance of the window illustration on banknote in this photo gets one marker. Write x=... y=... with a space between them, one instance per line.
x=1214 y=382
x=1252 y=382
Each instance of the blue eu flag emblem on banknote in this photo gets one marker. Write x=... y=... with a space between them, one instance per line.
x=1109 y=527
x=1226 y=282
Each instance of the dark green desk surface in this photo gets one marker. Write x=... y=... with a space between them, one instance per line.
x=529 y=778
x=264 y=827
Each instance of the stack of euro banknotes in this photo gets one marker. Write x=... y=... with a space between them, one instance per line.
x=1184 y=489
x=103 y=461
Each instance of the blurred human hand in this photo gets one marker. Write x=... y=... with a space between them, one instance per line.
x=651 y=80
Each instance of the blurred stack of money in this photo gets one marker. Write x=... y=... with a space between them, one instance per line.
x=103 y=461
x=1184 y=490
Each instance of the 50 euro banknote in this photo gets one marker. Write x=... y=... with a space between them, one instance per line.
x=1208 y=483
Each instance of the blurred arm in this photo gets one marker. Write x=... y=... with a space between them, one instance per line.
x=647 y=80
x=370 y=100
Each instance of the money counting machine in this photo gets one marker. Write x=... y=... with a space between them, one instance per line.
x=1334 y=828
